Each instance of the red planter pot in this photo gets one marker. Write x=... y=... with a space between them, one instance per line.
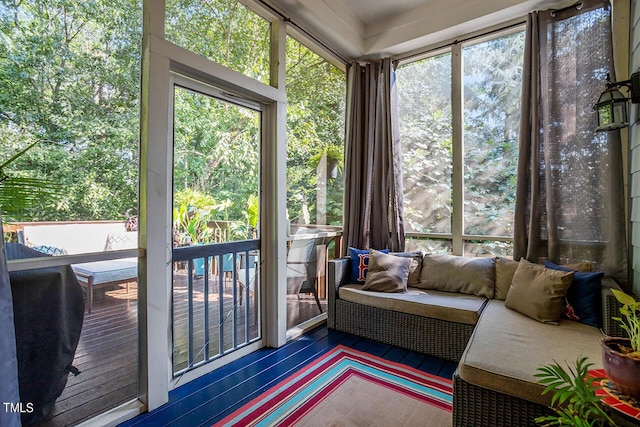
x=622 y=370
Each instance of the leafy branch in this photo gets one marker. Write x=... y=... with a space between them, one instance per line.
x=631 y=323
x=574 y=400
x=20 y=193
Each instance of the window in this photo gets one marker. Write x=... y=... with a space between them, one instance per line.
x=460 y=158
x=315 y=137
x=315 y=183
x=223 y=31
x=69 y=96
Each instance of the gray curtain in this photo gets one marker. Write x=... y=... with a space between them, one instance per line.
x=570 y=201
x=373 y=182
x=9 y=392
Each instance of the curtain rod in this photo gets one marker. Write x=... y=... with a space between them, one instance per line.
x=457 y=41
x=299 y=28
x=577 y=6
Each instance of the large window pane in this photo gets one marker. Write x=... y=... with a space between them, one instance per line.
x=224 y=31
x=430 y=246
x=216 y=162
x=315 y=183
x=215 y=299
x=69 y=96
x=424 y=90
x=315 y=137
x=492 y=85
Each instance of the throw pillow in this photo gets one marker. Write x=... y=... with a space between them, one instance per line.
x=505 y=269
x=416 y=266
x=583 y=300
x=538 y=292
x=387 y=273
x=451 y=273
x=359 y=264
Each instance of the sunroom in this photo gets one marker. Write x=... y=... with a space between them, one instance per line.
x=225 y=152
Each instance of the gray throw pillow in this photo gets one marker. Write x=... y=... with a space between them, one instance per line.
x=416 y=266
x=451 y=273
x=538 y=292
x=387 y=273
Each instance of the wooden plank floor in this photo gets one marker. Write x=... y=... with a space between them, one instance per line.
x=210 y=398
x=107 y=355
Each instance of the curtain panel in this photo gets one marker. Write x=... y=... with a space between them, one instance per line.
x=570 y=200
x=9 y=389
x=373 y=182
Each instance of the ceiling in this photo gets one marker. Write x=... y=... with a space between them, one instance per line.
x=361 y=29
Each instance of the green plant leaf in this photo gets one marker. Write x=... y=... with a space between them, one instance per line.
x=623 y=298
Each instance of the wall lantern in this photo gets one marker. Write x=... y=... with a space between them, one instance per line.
x=612 y=105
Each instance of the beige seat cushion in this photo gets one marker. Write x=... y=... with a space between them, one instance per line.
x=507 y=347
x=447 y=306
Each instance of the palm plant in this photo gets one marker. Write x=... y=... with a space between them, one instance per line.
x=19 y=193
x=574 y=401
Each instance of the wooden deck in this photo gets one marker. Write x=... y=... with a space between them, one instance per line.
x=107 y=355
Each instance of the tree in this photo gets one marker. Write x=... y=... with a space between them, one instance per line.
x=316 y=93
x=69 y=77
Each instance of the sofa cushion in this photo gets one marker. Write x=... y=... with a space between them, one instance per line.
x=538 y=292
x=583 y=300
x=507 y=347
x=450 y=273
x=415 y=269
x=359 y=264
x=453 y=307
x=387 y=273
x=505 y=269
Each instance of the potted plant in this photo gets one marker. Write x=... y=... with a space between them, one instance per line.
x=621 y=356
x=574 y=401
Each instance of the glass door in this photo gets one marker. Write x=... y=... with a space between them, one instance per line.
x=216 y=234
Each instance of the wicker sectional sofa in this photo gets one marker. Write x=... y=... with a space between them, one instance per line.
x=451 y=315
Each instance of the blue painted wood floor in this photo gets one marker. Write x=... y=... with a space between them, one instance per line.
x=210 y=398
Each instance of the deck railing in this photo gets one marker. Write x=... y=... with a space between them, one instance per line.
x=217 y=322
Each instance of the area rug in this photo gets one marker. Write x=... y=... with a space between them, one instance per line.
x=346 y=387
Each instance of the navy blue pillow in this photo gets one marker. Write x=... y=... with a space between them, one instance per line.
x=360 y=264
x=583 y=298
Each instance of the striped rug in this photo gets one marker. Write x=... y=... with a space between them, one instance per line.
x=346 y=387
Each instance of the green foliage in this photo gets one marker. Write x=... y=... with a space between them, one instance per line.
x=492 y=79
x=70 y=71
x=224 y=31
x=192 y=214
x=216 y=150
x=631 y=323
x=315 y=131
x=69 y=75
x=253 y=210
x=19 y=193
x=574 y=396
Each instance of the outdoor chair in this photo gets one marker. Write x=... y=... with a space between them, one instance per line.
x=302 y=268
x=247 y=282
x=102 y=274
